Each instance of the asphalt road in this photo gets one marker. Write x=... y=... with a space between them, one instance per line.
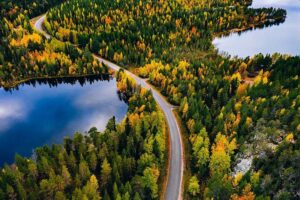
x=174 y=182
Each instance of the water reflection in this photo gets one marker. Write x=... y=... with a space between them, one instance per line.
x=282 y=39
x=54 y=82
x=9 y=112
x=45 y=111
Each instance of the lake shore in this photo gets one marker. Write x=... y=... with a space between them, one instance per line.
x=14 y=84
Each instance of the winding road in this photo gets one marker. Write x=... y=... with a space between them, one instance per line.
x=176 y=165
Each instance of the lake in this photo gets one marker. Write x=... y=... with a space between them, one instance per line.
x=283 y=38
x=44 y=112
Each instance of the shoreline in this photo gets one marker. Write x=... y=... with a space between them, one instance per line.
x=19 y=82
x=251 y=26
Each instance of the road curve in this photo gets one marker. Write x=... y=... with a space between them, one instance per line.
x=175 y=176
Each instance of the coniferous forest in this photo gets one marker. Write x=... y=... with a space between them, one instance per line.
x=230 y=109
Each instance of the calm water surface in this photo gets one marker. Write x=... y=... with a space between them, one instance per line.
x=284 y=38
x=33 y=116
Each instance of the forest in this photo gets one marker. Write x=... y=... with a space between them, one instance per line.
x=25 y=55
x=229 y=118
x=134 y=32
x=126 y=161
x=232 y=109
x=221 y=106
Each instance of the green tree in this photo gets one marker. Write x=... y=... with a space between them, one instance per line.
x=11 y=194
x=91 y=188
x=60 y=196
x=84 y=170
x=111 y=124
x=150 y=177
x=201 y=150
x=105 y=172
x=194 y=187
x=115 y=190
x=66 y=175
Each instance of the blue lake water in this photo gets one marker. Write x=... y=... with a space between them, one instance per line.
x=35 y=115
x=283 y=38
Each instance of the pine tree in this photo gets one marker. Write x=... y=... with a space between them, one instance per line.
x=105 y=172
